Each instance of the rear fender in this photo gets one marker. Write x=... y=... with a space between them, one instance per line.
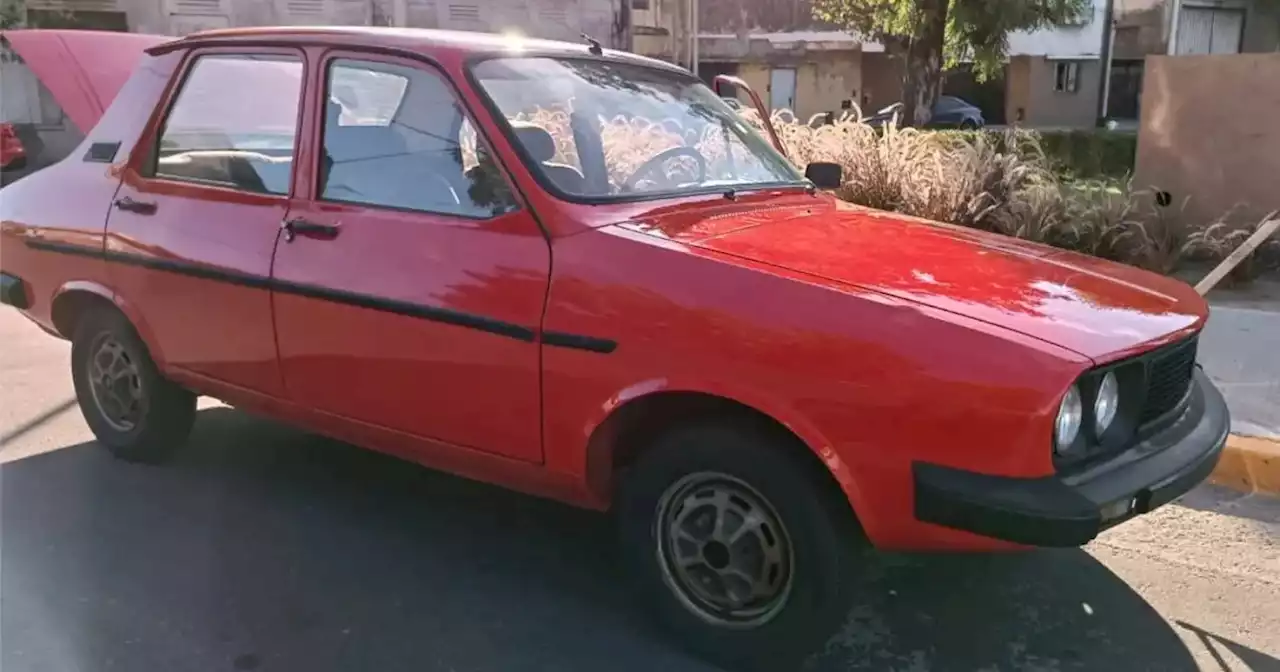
x=127 y=308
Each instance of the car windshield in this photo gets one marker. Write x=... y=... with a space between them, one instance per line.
x=604 y=130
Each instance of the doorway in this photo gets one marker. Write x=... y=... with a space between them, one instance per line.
x=782 y=89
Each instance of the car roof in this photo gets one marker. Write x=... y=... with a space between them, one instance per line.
x=463 y=43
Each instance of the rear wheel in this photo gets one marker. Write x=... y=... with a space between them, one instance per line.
x=736 y=545
x=133 y=411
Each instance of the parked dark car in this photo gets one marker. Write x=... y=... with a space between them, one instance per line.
x=948 y=112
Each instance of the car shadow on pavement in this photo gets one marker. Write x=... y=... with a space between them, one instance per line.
x=260 y=547
x=1253 y=659
x=1218 y=499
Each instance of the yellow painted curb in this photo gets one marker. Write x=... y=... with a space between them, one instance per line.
x=1249 y=464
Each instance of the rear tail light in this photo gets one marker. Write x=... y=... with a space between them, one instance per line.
x=7 y=131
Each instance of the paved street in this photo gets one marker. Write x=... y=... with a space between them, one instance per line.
x=1239 y=349
x=263 y=548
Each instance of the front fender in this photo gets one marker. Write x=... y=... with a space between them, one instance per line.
x=756 y=400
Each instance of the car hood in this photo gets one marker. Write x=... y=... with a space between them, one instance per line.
x=1100 y=309
x=82 y=69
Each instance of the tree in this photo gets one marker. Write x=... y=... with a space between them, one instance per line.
x=929 y=34
x=13 y=14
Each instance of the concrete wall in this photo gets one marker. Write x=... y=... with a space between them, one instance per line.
x=881 y=82
x=1030 y=81
x=822 y=81
x=1218 y=156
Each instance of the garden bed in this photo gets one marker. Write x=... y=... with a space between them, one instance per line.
x=1067 y=189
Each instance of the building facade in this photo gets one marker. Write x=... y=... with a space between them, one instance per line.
x=1145 y=28
x=1054 y=77
x=605 y=20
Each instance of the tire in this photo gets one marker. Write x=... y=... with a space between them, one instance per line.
x=161 y=413
x=796 y=615
x=968 y=125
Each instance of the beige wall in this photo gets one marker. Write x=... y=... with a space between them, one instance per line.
x=756 y=75
x=1218 y=156
x=1017 y=99
x=822 y=81
x=1029 y=82
x=881 y=82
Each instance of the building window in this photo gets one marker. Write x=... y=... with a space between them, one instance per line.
x=642 y=5
x=1066 y=76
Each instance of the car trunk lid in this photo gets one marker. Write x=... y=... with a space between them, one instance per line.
x=81 y=69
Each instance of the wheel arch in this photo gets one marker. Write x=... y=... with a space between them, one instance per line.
x=75 y=299
x=632 y=426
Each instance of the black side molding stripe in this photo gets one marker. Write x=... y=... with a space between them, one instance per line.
x=408 y=309
x=443 y=315
x=63 y=248
x=193 y=270
x=577 y=342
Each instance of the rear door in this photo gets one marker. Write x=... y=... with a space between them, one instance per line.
x=411 y=285
x=195 y=221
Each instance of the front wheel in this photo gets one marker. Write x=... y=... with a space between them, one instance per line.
x=133 y=411
x=737 y=546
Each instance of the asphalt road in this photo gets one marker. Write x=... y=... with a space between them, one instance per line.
x=263 y=548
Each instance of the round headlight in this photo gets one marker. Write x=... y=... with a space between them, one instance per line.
x=1107 y=403
x=1070 y=413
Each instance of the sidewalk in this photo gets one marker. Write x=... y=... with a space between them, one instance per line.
x=1240 y=350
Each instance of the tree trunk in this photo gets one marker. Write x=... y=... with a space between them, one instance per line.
x=923 y=66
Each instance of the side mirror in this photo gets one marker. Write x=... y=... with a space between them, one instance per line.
x=825 y=175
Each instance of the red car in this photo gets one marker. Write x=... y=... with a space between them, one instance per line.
x=12 y=154
x=579 y=274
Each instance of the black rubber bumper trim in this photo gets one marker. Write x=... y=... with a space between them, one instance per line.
x=408 y=309
x=1055 y=511
x=589 y=343
x=13 y=292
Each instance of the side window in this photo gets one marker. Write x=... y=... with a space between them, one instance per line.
x=395 y=136
x=234 y=123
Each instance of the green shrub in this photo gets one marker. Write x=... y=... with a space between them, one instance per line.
x=1077 y=154
x=1012 y=182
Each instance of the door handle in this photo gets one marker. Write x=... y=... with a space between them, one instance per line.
x=139 y=207
x=302 y=227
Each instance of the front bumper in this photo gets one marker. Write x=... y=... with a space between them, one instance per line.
x=1071 y=510
x=13 y=291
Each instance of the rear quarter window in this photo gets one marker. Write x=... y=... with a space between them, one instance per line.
x=35 y=132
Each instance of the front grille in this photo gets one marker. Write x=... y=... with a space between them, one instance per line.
x=1169 y=372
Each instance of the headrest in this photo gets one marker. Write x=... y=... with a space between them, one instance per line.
x=362 y=142
x=536 y=140
x=332 y=112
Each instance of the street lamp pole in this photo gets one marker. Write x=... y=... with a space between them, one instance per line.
x=1173 y=27
x=694 y=23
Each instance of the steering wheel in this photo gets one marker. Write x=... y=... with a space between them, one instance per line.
x=661 y=158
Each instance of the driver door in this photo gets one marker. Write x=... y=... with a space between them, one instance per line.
x=409 y=283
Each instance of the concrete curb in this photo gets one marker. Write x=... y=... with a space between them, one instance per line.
x=1249 y=464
